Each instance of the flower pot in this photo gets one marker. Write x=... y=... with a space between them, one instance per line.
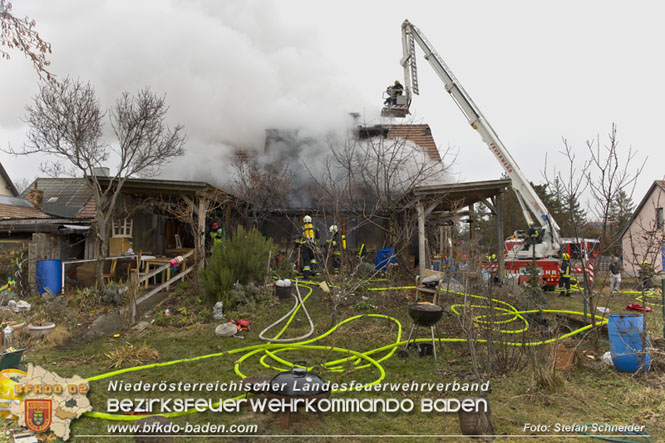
x=41 y=331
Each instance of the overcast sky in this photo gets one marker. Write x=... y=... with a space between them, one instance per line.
x=230 y=69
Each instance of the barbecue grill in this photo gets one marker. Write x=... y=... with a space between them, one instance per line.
x=423 y=314
x=298 y=383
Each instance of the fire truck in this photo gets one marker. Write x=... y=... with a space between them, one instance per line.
x=541 y=241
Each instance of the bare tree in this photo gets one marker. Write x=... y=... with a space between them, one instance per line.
x=186 y=210
x=370 y=179
x=605 y=175
x=264 y=188
x=20 y=34
x=65 y=121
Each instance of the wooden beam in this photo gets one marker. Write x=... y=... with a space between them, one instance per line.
x=489 y=205
x=421 y=239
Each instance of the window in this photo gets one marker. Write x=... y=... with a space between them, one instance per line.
x=123 y=227
x=659 y=218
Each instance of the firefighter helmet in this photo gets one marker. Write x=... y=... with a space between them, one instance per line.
x=333 y=229
x=566 y=256
x=307 y=219
x=215 y=225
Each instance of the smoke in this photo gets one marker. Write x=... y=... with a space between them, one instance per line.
x=229 y=70
x=382 y=169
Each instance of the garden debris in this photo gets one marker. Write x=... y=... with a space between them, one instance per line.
x=564 y=357
x=141 y=326
x=241 y=325
x=218 y=311
x=607 y=358
x=20 y=306
x=637 y=307
x=131 y=355
x=286 y=283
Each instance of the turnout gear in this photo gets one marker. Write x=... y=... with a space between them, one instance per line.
x=309 y=237
x=564 y=276
x=393 y=91
x=334 y=249
x=646 y=274
x=217 y=234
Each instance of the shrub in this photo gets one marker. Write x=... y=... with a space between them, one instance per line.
x=242 y=258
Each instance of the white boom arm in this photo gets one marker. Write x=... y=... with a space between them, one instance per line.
x=548 y=244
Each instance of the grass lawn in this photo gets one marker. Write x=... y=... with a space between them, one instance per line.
x=589 y=392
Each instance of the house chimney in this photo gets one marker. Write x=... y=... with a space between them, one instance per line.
x=101 y=172
x=36 y=197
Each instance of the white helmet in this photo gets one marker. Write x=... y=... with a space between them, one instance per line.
x=307 y=219
x=333 y=229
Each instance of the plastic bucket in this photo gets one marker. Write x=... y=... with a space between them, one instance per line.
x=49 y=275
x=283 y=292
x=625 y=332
x=385 y=256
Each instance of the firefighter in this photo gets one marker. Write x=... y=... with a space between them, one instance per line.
x=216 y=235
x=646 y=274
x=564 y=276
x=334 y=248
x=395 y=90
x=309 y=237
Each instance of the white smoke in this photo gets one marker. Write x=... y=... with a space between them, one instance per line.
x=229 y=70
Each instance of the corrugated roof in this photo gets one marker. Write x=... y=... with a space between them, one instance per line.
x=72 y=193
x=421 y=135
x=20 y=212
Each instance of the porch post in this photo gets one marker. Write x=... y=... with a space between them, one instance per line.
x=421 y=239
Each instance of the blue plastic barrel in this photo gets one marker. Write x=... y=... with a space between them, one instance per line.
x=625 y=331
x=49 y=275
x=385 y=256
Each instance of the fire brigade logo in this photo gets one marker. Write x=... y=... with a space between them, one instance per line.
x=38 y=414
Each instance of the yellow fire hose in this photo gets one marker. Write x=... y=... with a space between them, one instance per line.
x=361 y=360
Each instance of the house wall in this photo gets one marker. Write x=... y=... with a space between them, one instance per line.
x=5 y=189
x=642 y=239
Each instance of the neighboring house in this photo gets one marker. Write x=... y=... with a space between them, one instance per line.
x=643 y=236
x=55 y=219
x=6 y=185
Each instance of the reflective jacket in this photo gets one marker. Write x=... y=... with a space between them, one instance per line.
x=565 y=269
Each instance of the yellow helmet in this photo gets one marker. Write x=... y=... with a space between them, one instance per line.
x=566 y=256
x=645 y=263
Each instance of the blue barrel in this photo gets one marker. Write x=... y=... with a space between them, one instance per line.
x=385 y=256
x=625 y=331
x=49 y=275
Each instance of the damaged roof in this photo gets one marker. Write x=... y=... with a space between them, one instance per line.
x=421 y=135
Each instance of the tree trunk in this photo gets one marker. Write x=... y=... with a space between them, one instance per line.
x=100 y=248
